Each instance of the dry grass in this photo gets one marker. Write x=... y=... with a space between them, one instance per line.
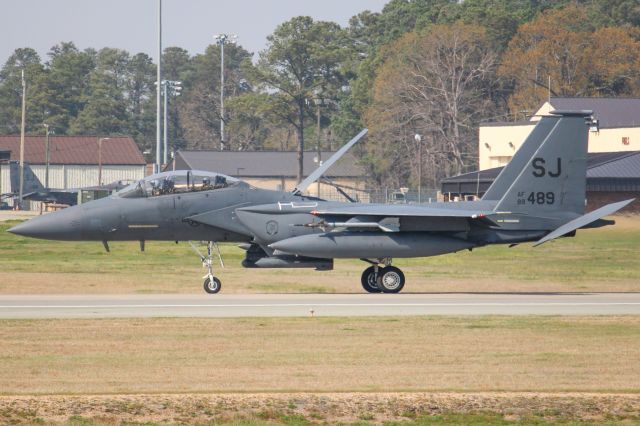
x=320 y=354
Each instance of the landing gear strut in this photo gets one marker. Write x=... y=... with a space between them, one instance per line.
x=387 y=279
x=212 y=284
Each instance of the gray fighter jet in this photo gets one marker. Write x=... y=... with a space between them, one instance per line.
x=539 y=196
x=180 y=206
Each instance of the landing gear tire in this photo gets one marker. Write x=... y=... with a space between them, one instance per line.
x=212 y=285
x=368 y=280
x=390 y=280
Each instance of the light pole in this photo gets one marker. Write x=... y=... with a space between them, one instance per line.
x=223 y=39
x=100 y=159
x=418 y=139
x=47 y=155
x=158 y=88
x=169 y=88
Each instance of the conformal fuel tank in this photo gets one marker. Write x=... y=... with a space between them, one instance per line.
x=335 y=245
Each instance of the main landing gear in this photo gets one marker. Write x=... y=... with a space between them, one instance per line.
x=212 y=284
x=386 y=279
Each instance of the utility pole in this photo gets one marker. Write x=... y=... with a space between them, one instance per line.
x=158 y=89
x=165 y=89
x=318 y=147
x=223 y=39
x=100 y=159
x=47 y=156
x=22 y=126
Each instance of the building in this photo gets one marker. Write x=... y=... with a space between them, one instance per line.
x=276 y=169
x=74 y=162
x=611 y=177
x=616 y=128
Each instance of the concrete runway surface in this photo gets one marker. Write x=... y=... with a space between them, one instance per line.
x=305 y=305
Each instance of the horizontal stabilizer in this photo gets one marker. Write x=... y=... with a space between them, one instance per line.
x=584 y=220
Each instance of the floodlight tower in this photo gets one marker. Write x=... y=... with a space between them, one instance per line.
x=158 y=88
x=223 y=39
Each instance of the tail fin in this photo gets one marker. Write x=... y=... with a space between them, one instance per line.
x=520 y=159
x=552 y=180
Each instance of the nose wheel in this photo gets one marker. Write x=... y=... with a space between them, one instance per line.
x=212 y=285
x=387 y=279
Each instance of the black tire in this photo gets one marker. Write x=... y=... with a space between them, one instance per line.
x=368 y=280
x=212 y=287
x=391 y=280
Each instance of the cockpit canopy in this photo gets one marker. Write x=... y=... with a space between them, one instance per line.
x=176 y=182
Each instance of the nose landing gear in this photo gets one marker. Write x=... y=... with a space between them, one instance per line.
x=211 y=284
x=377 y=279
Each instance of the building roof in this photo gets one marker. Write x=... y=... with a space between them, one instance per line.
x=262 y=163
x=508 y=123
x=610 y=112
x=599 y=165
x=117 y=150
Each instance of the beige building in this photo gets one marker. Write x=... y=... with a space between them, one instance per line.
x=276 y=170
x=616 y=128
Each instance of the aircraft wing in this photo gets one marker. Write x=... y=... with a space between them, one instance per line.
x=399 y=210
x=584 y=220
x=302 y=186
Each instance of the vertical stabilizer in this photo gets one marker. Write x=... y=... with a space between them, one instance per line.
x=552 y=181
x=511 y=171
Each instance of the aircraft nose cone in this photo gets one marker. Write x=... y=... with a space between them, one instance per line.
x=53 y=226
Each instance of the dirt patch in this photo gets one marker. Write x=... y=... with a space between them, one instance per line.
x=322 y=408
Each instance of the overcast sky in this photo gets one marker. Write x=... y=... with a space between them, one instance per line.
x=131 y=24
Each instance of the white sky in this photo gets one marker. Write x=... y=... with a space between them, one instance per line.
x=131 y=24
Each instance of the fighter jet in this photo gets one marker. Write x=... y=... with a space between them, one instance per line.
x=539 y=196
x=180 y=206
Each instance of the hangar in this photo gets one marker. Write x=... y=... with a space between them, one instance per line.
x=74 y=162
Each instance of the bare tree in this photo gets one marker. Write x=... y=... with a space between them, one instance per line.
x=437 y=84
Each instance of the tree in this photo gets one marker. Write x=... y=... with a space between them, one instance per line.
x=437 y=84
x=564 y=46
x=67 y=78
x=139 y=94
x=303 y=60
x=105 y=110
x=11 y=90
x=199 y=108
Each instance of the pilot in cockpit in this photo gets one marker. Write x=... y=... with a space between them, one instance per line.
x=206 y=184
x=220 y=182
x=168 y=186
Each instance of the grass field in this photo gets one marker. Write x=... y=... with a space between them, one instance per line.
x=596 y=260
x=545 y=354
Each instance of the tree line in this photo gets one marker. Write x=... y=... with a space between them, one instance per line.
x=433 y=67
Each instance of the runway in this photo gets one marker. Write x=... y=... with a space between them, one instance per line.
x=322 y=305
